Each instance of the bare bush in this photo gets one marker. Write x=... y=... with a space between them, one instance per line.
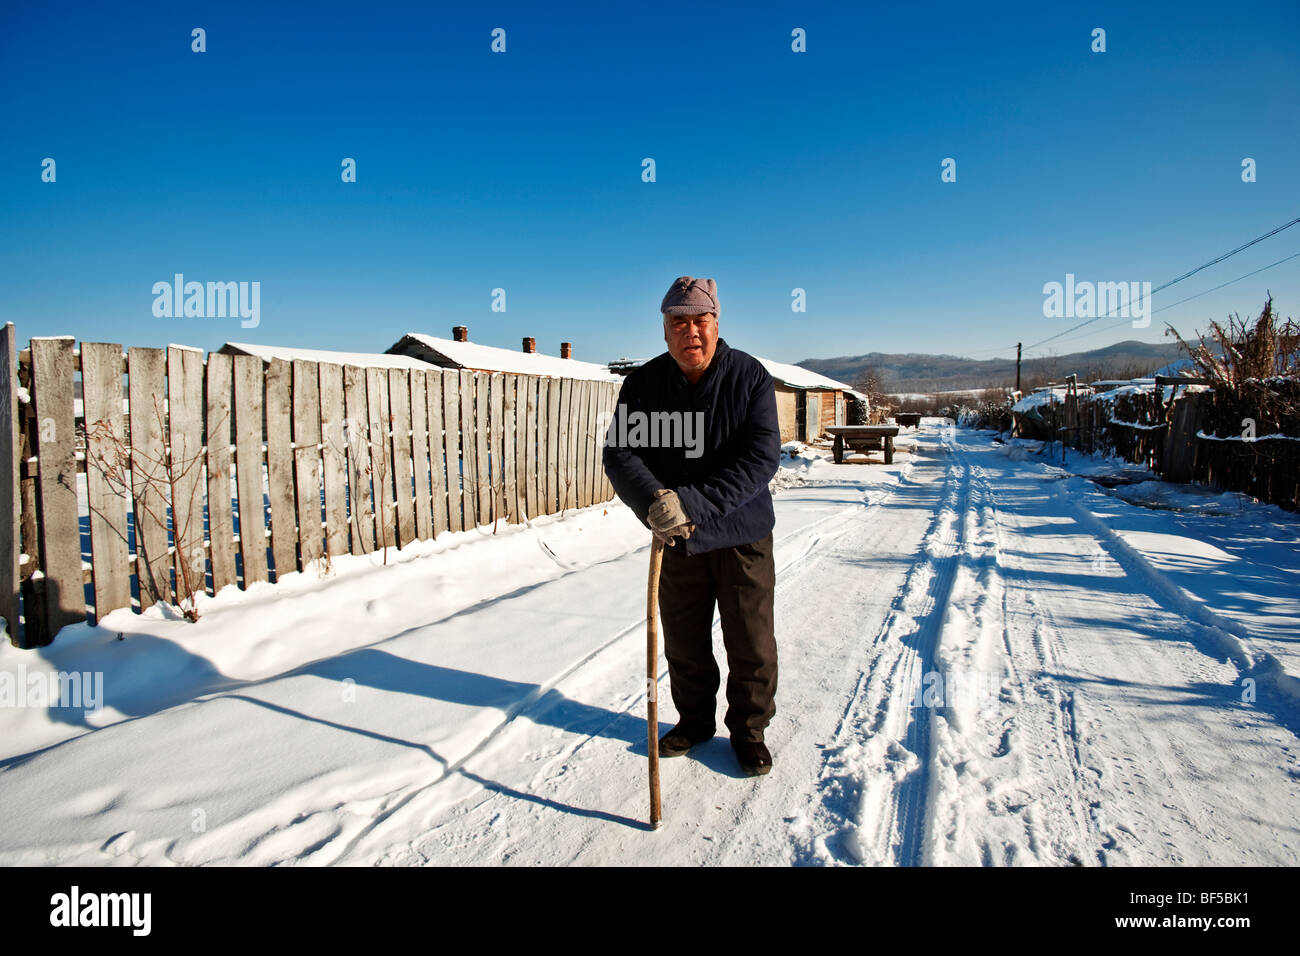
x=1255 y=363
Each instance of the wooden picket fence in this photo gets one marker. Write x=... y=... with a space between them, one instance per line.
x=326 y=460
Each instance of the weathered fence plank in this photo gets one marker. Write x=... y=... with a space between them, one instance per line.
x=511 y=488
x=33 y=610
x=307 y=459
x=553 y=451
x=420 y=455
x=598 y=439
x=399 y=407
x=594 y=460
x=521 y=447
x=106 y=491
x=482 y=467
x=357 y=439
x=9 y=481
x=451 y=431
x=543 y=442
x=573 y=403
x=579 y=397
x=530 y=449
x=593 y=439
x=146 y=387
x=584 y=450
x=248 y=467
x=611 y=403
x=185 y=441
x=381 y=455
x=279 y=468
x=496 y=451
x=437 y=452
x=218 y=421
x=597 y=473
x=334 y=458
x=468 y=449
x=56 y=449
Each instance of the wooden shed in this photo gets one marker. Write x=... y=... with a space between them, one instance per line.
x=806 y=402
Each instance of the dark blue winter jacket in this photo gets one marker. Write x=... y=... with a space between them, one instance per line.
x=721 y=477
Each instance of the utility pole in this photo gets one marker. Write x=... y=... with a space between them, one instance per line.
x=1017 y=366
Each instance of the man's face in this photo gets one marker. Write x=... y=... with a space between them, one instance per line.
x=691 y=340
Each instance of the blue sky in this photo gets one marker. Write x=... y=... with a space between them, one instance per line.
x=522 y=170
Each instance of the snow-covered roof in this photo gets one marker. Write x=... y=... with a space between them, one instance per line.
x=1039 y=397
x=796 y=376
x=494 y=359
x=290 y=353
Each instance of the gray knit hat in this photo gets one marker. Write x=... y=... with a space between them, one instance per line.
x=690 y=296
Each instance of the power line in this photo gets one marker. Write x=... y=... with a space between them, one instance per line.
x=990 y=352
x=1185 y=275
x=1191 y=297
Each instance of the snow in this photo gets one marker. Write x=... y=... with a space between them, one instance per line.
x=987 y=658
x=1038 y=398
x=363 y=359
x=1187 y=498
x=1182 y=366
x=1273 y=437
x=1138 y=425
x=917 y=396
x=796 y=376
x=490 y=357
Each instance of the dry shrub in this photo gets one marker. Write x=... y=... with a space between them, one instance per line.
x=1254 y=367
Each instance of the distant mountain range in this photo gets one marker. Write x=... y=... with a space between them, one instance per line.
x=935 y=373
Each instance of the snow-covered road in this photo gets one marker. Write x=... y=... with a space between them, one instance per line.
x=984 y=660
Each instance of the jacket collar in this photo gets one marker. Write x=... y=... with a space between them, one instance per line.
x=720 y=351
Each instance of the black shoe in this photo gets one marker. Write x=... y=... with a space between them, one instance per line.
x=753 y=756
x=678 y=741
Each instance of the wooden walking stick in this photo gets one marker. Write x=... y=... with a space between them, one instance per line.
x=652 y=675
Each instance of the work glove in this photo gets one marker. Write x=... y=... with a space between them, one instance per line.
x=667 y=517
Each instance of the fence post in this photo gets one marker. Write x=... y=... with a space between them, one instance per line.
x=1178 y=458
x=9 y=535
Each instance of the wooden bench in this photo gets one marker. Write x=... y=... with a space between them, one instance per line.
x=864 y=438
x=908 y=419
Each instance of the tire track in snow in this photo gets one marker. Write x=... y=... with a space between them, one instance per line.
x=871 y=798
x=914 y=789
x=1036 y=743
x=1094 y=779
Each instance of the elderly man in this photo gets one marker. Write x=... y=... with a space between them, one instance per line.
x=711 y=505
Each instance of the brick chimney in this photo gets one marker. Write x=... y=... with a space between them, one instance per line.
x=530 y=344
x=566 y=350
x=460 y=333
